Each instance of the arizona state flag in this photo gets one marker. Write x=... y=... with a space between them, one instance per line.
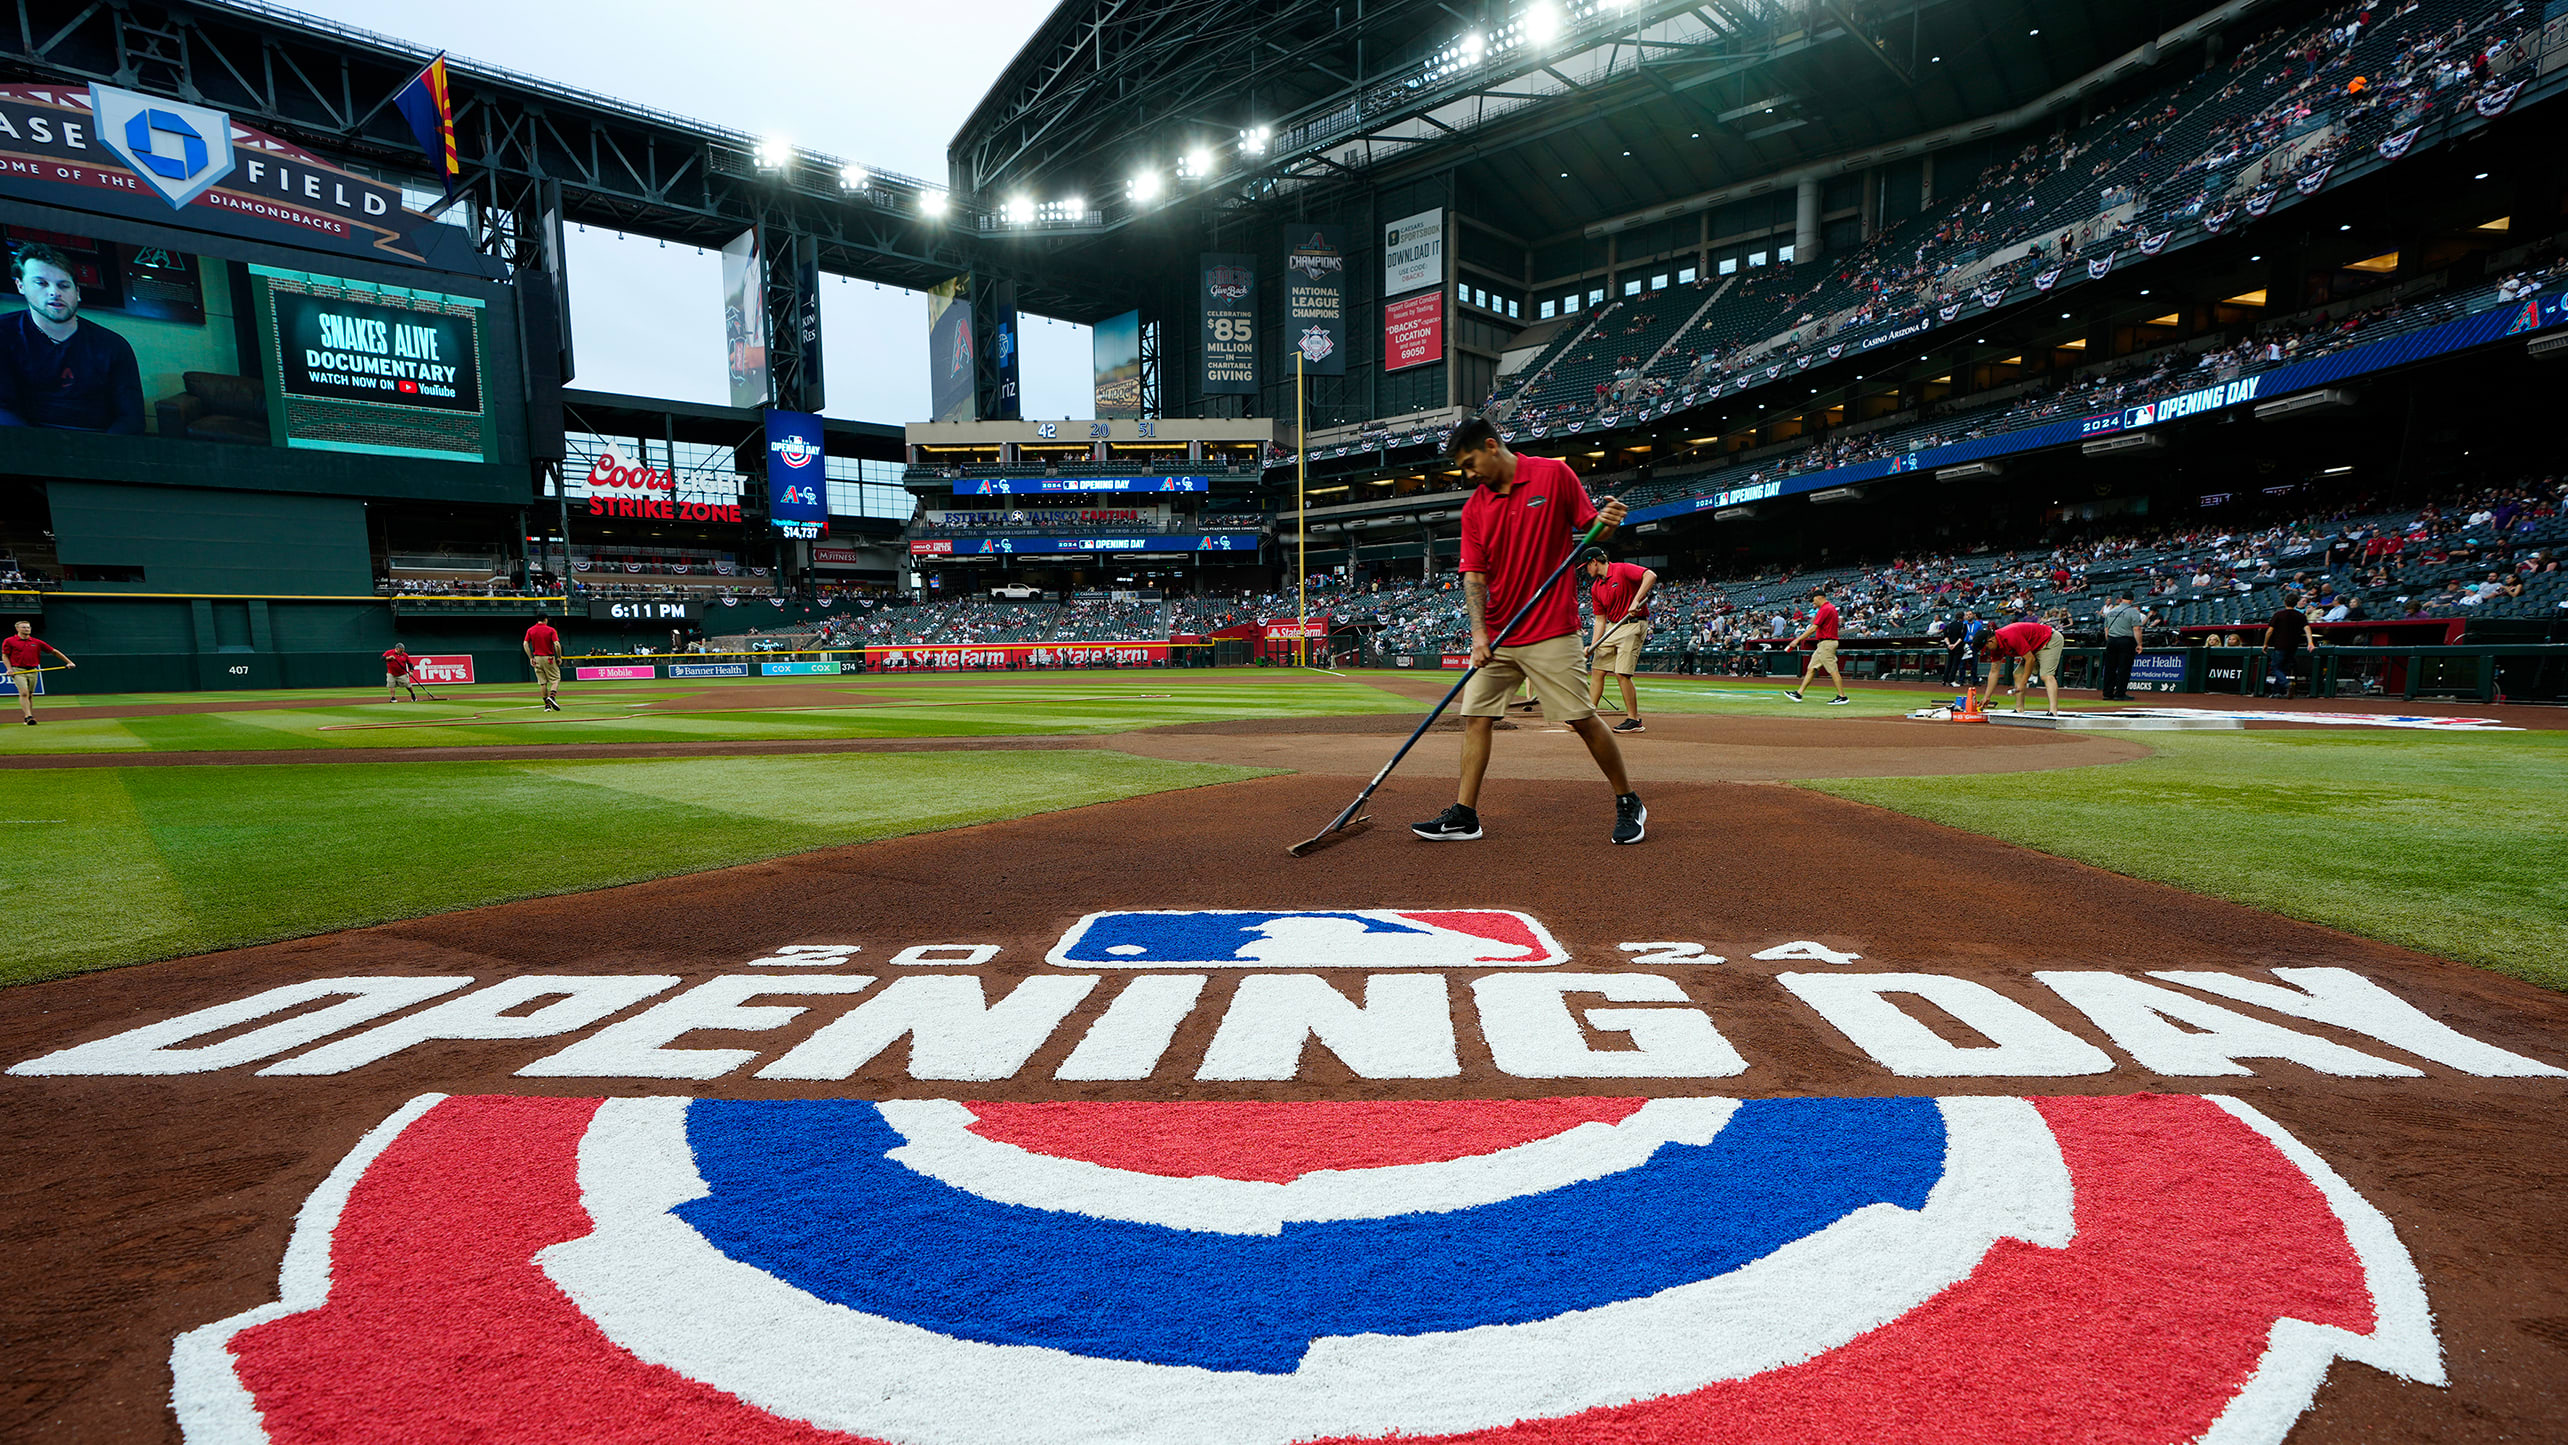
x=424 y=104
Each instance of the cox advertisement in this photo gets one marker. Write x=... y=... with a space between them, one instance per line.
x=798 y=669
x=796 y=498
x=970 y=659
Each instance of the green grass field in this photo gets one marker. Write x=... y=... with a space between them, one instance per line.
x=140 y=863
x=2440 y=841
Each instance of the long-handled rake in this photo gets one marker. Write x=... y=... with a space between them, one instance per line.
x=1346 y=825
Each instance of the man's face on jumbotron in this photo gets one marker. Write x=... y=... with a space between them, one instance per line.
x=49 y=291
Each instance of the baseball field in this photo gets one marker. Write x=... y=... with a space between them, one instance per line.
x=963 y=1059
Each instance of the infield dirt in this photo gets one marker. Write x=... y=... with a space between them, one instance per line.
x=139 y=1208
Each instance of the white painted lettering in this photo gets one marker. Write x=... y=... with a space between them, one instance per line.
x=1404 y=1030
x=2350 y=1001
x=1531 y=1034
x=638 y=1048
x=1129 y=1038
x=2021 y=1043
x=807 y=955
x=957 y=955
x=954 y=1032
x=155 y=1048
x=2135 y=1014
x=1807 y=951
x=580 y=1000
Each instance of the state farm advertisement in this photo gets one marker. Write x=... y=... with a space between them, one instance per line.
x=1285 y=629
x=1413 y=331
x=444 y=667
x=950 y=658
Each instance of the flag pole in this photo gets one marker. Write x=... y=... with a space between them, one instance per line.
x=1302 y=515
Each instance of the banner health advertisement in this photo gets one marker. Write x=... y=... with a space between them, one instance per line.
x=1315 y=298
x=708 y=669
x=1230 y=324
x=1115 y=365
x=1413 y=331
x=796 y=498
x=2158 y=671
x=949 y=351
x=1413 y=253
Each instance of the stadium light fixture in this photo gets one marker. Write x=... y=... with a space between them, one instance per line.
x=774 y=153
x=1020 y=210
x=1196 y=164
x=931 y=203
x=1074 y=207
x=1542 y=22
x=1473 y=47
x=1143 y=187
x=855 y=178
x=1252 y=141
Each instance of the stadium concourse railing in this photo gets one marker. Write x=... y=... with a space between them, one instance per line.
x=2487 y=672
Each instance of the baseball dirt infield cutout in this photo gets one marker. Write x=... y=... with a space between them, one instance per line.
x=1803 y=1122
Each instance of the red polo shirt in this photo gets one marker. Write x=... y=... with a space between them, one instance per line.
x=1824 y=623
x=22 y=651
x=543 y=641
x=1613 y=596
x=2023 y=639
x=396 y=660
x=1515 y=539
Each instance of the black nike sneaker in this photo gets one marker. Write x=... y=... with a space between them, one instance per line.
x=1631 y=820
x=1456 y=824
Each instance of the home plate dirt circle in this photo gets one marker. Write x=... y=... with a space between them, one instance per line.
x=1115 y=1125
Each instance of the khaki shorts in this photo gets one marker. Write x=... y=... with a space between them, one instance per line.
x=25 y=680
x=1823 y=653
x=2043 y=661
x=1550 y=665
x=1621 y=650
x=548 y=671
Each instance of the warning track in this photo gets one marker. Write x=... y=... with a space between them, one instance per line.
x=2299 y=1126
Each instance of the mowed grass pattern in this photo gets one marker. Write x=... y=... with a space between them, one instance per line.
x=2452 y=844
x=749 y=710
x=120 y=865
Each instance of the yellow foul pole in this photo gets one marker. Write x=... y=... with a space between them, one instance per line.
x=1302 y=519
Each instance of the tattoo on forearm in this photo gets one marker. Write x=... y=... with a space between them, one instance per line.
x=1475 y=598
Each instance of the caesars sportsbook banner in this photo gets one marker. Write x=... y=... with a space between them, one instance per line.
x=1413 y=253
x=949 y=351
x=1315 y=298
x=1230 y=324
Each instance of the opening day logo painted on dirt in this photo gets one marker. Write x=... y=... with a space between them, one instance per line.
x=1590 y=1265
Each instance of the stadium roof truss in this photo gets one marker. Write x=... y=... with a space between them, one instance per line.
x=1120 y=108
x=527 y=145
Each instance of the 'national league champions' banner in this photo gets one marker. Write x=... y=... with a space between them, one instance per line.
x=1315 y=297
x=1230 y=332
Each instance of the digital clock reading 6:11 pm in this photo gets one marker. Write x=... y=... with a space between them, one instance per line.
x=642 y=611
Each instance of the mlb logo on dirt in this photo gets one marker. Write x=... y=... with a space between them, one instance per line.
x=1368 y=938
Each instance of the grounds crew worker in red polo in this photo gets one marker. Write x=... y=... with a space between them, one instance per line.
x=2032 y=645
x=544 y=654
x=1821 y=634
x=1517 y=526
x=1620 y=593
x=25 y=653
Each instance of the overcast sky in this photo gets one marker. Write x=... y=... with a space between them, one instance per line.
x=647 y=319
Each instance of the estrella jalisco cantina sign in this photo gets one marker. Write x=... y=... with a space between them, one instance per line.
x=1633 y=1257
x=146 y=157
